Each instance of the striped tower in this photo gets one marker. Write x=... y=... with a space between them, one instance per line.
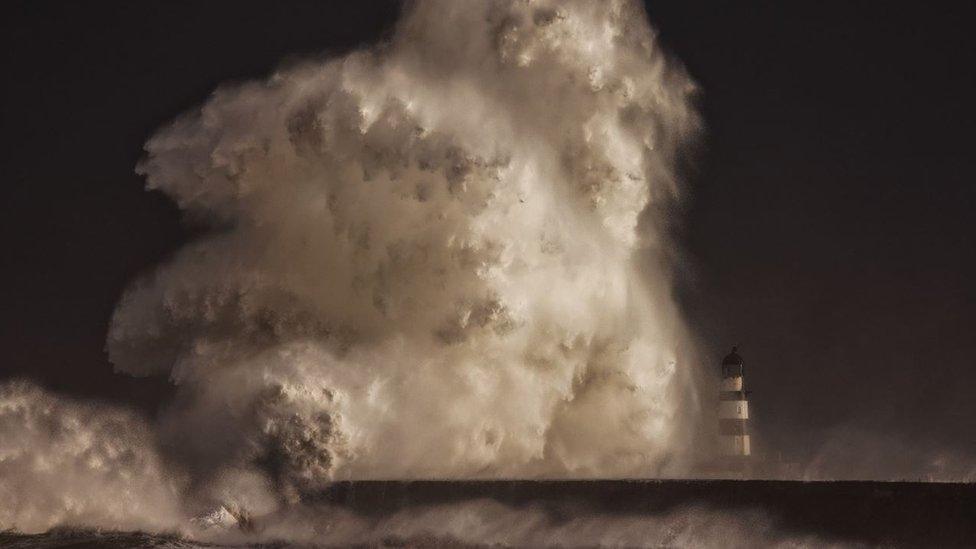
x=733 y=409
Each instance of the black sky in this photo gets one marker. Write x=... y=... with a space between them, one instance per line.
x=828 y=228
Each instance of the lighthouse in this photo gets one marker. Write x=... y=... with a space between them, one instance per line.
x=733 y=409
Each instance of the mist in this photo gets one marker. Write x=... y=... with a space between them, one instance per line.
x=422 y=258
x=442 y=256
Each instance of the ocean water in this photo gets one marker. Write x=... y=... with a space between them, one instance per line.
x=81 y=538
x=585 y=514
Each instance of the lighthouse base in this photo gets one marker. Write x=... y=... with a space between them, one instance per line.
x=735 y=445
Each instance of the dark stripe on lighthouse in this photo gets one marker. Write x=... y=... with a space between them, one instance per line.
x=732 y=427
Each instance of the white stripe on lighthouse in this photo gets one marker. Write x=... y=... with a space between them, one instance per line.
x=733 y=409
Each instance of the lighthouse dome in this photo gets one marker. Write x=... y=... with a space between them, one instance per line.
x=733 y=358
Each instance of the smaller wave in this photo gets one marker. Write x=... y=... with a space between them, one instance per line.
x=476 y=523
x=70 y=537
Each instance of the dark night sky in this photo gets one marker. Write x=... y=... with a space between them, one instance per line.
x=828 y=230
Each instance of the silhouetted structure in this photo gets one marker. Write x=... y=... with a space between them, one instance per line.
x=733 y=409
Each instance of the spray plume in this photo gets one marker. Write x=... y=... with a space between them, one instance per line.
x=423 y=255
x=443 y=256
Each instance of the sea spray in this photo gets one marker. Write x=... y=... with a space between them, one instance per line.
x=443 y=256
x=424 y=257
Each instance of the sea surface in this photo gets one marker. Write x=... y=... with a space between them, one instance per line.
x=603 y=513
